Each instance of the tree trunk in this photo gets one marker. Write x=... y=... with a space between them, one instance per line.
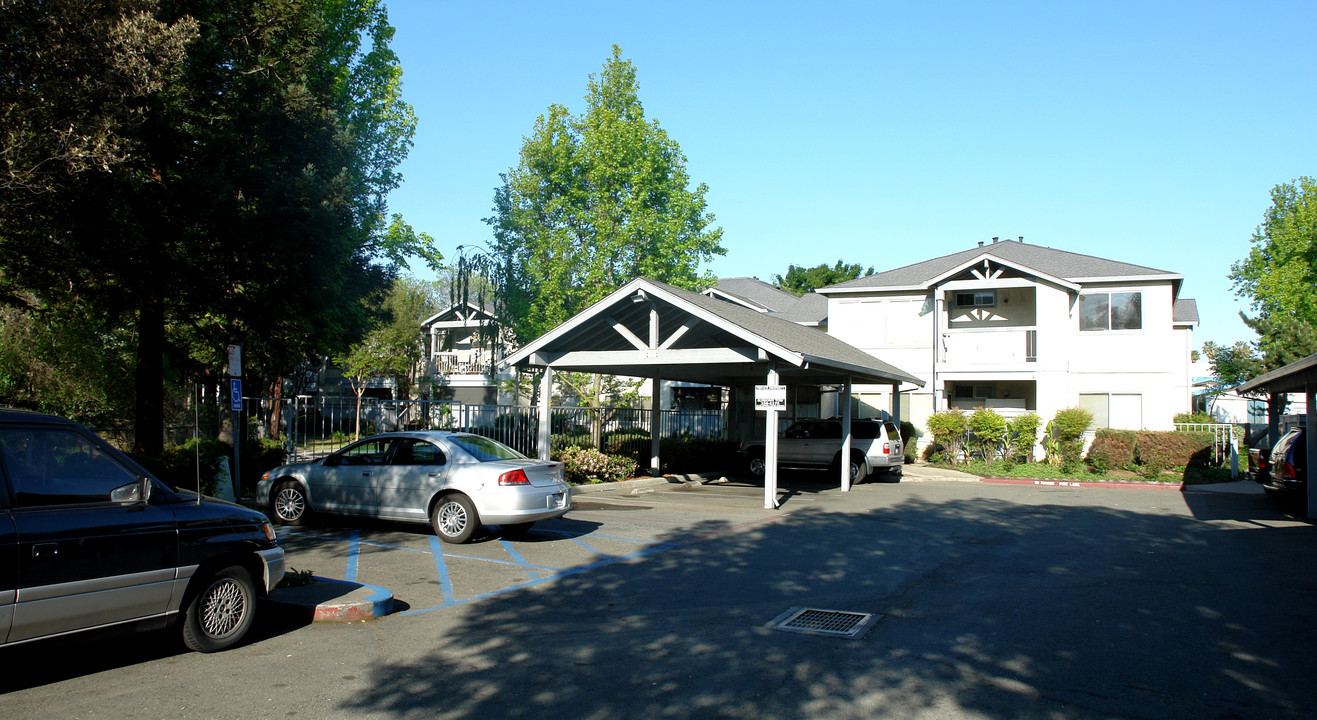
x=276 y=406
x=149 y=425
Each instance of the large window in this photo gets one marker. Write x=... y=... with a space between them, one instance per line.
x=58 y=467
x=1111 y=311
x=1122 y=411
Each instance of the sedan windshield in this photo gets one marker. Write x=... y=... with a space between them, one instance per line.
x=485 y=450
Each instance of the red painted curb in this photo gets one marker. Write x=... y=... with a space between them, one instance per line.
x=1084 y=483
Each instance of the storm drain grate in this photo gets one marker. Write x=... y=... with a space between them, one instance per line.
x=828 y=623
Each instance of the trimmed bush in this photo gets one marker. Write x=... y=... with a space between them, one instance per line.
x=1173 y=449
x=1021 y=436
x=1112 y=450
x=948 y=430
x=989 y=432
x=1064 y=442
x=909 y=440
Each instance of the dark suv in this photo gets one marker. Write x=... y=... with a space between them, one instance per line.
x=90 y=540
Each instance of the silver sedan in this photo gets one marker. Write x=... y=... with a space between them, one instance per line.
x=454 y=481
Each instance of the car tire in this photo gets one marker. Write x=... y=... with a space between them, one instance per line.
x=755 y=465
x=288 y=504
x=454 y=519
x=517 y=528
x=857 y=467
x=219 y=615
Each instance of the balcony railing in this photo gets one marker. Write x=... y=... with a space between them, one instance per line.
x=989 y=347
x=463 y=362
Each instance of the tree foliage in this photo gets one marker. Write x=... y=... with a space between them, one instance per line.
x=800 y=280
x=596 y=200
x=1277 y=276
x=246 y=203
x=1280 y=271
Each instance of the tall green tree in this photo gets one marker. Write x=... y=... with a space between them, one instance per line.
x=1277 y=277
x=251 y=208
x=1280 y=271
x=596 y=200
x=800 y=280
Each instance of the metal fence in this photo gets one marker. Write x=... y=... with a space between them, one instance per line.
x=1223 y=444
x=314 y=426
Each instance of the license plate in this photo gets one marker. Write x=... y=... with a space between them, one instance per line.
x=555 y=500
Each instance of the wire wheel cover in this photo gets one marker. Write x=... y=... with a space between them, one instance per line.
x=223 y=608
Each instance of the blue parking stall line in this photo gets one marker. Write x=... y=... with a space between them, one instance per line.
x=516 y=556
x=354 y=551
x=605 y=562
x=441 y=567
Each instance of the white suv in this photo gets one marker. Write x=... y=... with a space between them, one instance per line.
x=816 y=443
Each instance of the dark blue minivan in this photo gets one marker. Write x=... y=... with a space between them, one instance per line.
x=90 y=540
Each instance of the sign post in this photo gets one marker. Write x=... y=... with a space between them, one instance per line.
x=772 y=399
x=235 y=411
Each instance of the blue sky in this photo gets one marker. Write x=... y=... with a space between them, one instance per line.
x=888 y=133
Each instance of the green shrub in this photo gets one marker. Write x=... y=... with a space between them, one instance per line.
x=989 y=432
x=1064 y=442
x=588 y=465
x=1112 y=450
x=910 y=440
x=1021 y=436
x=179 y=465
x=1200 y=418
x=1173 y=449
x=948 y=429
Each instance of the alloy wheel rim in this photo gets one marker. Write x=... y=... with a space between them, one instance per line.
x=289 y=504
x=452 y=519
x=224 y=608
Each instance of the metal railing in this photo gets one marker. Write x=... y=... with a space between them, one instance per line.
x=315 y=426
x=1223 y=444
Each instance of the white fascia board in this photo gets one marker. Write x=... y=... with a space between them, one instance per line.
x=717 y=294
x=921 y=289
x=607 y=302
x=978 y=260
x=1130 y=279
x=581 y=318
x=833 y=366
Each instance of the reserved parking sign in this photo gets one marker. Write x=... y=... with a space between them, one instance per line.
x=770 y=397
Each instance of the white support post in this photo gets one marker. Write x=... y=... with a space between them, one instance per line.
x=1311 y=438
x=655 y=422
x=846 y=435
x=546 y=401
x=770 y=449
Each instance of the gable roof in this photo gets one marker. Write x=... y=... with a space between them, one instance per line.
x=809 y=309
x=1072 y=268
x=703 y=340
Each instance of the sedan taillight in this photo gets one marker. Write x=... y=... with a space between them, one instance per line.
x=514 y=477
x=1287 y=471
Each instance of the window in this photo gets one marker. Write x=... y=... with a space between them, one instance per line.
x=976 y=299
x=417 y=452
x=368 y=452
x=974 y=392
x=1122 y=411
x=59 y=467
x=1111 y=311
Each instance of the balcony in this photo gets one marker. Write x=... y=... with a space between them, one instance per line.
x=463 y=362
x=989 y=346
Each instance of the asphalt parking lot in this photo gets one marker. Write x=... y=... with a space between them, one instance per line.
x=983 y=601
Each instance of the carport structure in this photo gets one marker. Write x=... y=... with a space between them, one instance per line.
x=653 y=330
x=1299 y=376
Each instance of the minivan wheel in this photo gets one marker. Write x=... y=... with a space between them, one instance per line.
x=454 y=519
x=289 y=504
x=219 y=616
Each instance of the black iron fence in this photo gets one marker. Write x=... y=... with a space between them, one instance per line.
x=314 y=426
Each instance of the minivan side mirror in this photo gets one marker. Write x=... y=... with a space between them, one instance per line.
x=139 y=491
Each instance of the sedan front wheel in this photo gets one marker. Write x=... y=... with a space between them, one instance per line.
x=454 y=519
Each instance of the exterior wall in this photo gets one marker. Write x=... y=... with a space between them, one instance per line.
x=1146 y=369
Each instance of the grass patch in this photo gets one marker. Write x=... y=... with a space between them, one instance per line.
x=1043 y=471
